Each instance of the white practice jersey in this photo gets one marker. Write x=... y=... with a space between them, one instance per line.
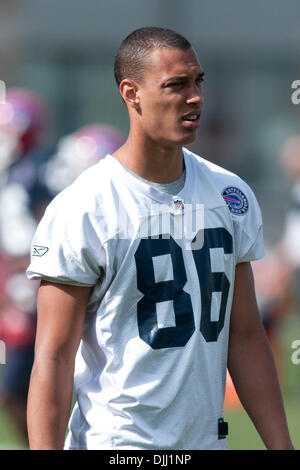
x=151 y=366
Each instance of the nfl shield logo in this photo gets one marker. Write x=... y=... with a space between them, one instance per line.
x=179 y=204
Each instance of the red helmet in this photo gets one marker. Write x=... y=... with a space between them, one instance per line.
x=23 y=119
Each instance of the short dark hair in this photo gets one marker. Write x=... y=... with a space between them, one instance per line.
x=130 y=57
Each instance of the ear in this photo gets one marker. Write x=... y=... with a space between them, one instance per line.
x=130 y=92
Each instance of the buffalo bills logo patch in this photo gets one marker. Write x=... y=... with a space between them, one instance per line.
x=235 y=200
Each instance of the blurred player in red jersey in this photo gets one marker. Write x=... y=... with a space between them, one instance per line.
x=24 y=122
x=31 y=176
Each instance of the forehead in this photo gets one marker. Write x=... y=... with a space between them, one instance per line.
x=168 y=62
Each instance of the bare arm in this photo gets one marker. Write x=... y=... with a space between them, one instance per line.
x=251 y=365
x=61 y=313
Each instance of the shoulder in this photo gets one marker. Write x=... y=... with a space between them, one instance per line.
x=86 y=192
x=217 y=173
x=232 y=188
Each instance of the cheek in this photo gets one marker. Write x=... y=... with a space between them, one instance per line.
x=160 y=114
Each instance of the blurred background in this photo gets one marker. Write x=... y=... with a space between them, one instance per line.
x=56 y=59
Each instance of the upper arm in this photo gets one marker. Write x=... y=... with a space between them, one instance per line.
x=245 y=318
x=61 y=314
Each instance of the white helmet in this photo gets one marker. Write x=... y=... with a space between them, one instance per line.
x=78 y=151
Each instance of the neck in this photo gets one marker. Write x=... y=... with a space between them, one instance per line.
x=151 y=160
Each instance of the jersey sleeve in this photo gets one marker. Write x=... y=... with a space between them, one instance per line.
x=248 y=230
x=66 y=247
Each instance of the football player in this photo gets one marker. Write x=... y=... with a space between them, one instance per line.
x=78 y=151
x=24 y=123
x=147 y=284
x=31 y=176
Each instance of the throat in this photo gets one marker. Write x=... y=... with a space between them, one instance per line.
x=152 y=163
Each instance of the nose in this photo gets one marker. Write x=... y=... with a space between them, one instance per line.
x=195 y=95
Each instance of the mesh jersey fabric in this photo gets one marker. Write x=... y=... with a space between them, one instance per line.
x=151 y=366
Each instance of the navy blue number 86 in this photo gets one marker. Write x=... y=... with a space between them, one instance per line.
x=153 y=292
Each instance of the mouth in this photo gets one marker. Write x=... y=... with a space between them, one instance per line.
x=191 y=120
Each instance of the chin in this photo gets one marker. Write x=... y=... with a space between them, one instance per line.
x=178 y=140
x=188 y=139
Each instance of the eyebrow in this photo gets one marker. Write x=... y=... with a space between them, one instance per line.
x=184 y=77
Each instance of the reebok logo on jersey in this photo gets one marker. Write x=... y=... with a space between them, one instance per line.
x=236 y=200
x=39 y=250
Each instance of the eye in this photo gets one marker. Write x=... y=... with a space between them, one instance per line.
x=199 y=80
x=174 y=84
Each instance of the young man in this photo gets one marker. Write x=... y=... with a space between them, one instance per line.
x=154 y=313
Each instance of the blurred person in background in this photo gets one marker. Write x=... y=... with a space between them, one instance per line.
x=272 y=280
x=277 y=275
x=289 y=247
x=78 y=151
x=24 y=125
x=31 y=177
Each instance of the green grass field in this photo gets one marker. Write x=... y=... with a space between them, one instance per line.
x=242 y=434
x=9 y=437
